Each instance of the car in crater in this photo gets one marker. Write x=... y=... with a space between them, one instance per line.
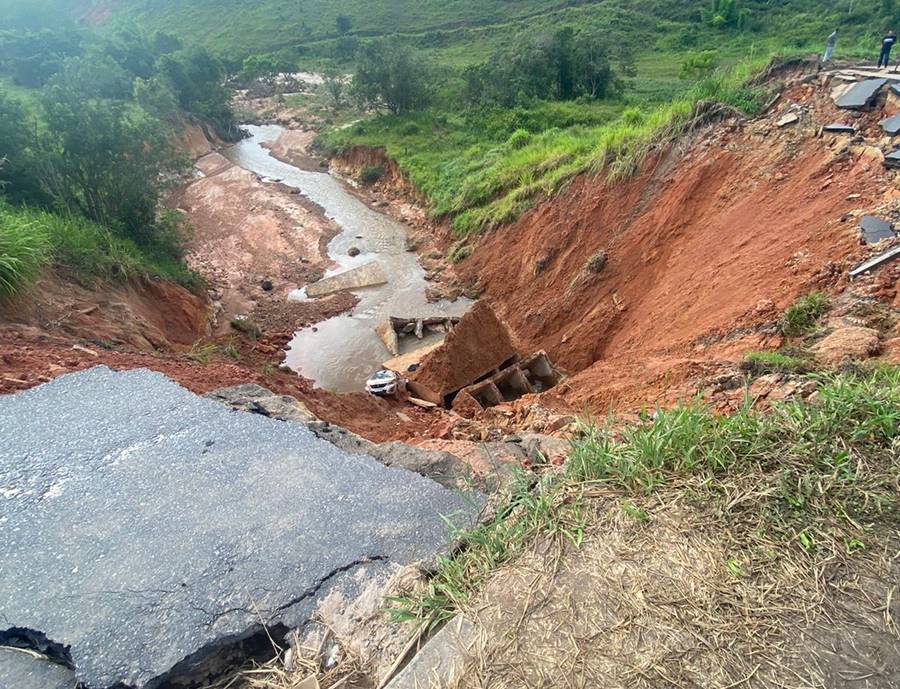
x=383 y=383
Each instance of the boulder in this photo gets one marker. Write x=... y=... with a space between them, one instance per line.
x=847 y=343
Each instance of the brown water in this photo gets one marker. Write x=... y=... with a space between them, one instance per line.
x=343 y=351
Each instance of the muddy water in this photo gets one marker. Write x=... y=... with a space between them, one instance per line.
x=343 y=351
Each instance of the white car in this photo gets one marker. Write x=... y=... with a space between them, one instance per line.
x=383 y=383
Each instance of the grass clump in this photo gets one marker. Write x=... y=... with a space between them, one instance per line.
x=817 y=477
x=459 y=252
x=803 y=315
x=370 y=174
x=23 y=251
x=760 y=363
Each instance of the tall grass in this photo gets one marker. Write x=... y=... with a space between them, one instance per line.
x=32 y=239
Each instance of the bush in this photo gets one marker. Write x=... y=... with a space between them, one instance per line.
x=802 y=317
x=759 y=363
x=519 y=139
x=370 y=174
x=597 y=262
x=460 y=252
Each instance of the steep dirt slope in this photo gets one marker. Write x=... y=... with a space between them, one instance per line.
x=705 y=247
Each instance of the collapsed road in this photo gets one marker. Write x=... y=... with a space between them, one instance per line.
x=150 y=535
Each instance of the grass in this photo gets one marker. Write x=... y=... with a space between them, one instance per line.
x=803 y=315
x=759 y=363
x=480 y=169
x=31 y=240
x=815 y=476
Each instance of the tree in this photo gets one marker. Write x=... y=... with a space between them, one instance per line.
x=343 y=24
x=16 y=136
x=335 y=86
x=391 y=76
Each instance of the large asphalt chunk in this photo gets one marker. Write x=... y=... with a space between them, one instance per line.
x=861 y=94
x=145 y=528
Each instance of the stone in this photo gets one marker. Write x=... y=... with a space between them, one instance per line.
x=891 y=125
x=258 y=400
x=21 y=669
x=266 y=285
x=837 y=128
x=790 y=118
x=153 y=532
x=875 y=229
x=245 y=324
x=861 y=94
x=847 y=343
x=353 y=251
x=443 y=657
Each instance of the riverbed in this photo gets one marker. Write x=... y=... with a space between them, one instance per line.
x=338 y=354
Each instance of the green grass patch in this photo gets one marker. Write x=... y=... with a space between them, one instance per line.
x=803 y=315
x=759 y=363
x=818 y=476
x=32 y=239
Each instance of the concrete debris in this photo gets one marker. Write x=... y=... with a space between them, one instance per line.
x=443 y=657
x=875 y=229
x=861 y=94
x=366 y=275
x=790 y=118
x=876 y=261
x=533 y=374
x=395 y=327
x=892 y=160
x=163 y=529
x=891 y=125
x=837 y=128
x=406 y=363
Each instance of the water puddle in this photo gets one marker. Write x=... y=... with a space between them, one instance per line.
x=343 y=351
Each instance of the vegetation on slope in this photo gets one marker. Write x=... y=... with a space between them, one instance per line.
x=815 y=479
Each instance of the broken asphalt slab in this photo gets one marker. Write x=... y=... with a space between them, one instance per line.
x=891 y=125
x=860 y=94
x=21 y=669
x=839 y=129
x=892 y=160
x=875 y=229
x=147 y=531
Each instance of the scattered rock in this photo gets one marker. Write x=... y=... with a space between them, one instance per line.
x=847 y=343
x=266 y=285
x=246 y=325
x=790 y=118
x=353 y=251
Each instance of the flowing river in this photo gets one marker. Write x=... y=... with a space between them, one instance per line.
x=343 y=351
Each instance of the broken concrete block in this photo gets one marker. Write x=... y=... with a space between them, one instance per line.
x=839 y=129
x=875 y=229
x=861 y=94
x=366 y=275
x=891 y=125
x=153 y=532
x=790 y=118
x=876 y=261
x=443 y=658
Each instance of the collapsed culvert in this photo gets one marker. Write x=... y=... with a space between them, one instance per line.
x=477 y=363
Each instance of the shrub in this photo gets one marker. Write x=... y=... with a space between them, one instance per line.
x=759 y=363
x=459 y=252
x=519 y=139
x=633 y=117
x=802 y=317
x=597 y=262
x=370 y=174
x=23 y=251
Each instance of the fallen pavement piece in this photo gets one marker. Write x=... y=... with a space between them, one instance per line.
x=895 y=87
x=891 y=125
x=258 y=400
x=876 y=261
x=839 y=129
x=875 y=229
x=860 y=95
x=150 y=533
x=790 y=118
x=21 y=669
x=366 y=275
x=892 y=160
x=443 y=657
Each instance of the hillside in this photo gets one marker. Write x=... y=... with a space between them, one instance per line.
x=462 y=31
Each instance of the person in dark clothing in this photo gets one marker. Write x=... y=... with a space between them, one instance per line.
x=885 y=58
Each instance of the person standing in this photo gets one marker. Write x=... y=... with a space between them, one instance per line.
x=829 y=46
x=886 y=44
